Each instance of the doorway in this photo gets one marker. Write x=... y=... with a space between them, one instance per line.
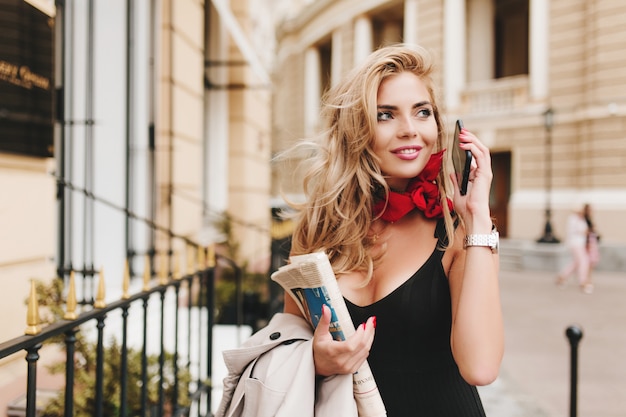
x=500 y=190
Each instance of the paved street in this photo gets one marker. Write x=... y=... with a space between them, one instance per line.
x=535 y=374
x=535 y=377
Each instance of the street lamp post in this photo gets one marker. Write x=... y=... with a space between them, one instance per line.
x=548 y=121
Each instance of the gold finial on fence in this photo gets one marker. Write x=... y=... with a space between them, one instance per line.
x=126 y=281
x=176 y=272
x=201 y=258
x=211 y=256
x=32 y=315
x=100 y=303
x=146 y=274
x=163 y=269
x=190 y=265
x=70 y=303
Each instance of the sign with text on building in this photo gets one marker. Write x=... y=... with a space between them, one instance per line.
x=26 y=79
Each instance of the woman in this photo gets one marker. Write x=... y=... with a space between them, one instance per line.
x=577 y=241
x=593 y=248
x=418 y=273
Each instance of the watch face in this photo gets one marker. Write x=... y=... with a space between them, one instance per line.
x=495 y=241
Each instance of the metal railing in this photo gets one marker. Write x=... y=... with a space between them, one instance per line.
x=186 y=303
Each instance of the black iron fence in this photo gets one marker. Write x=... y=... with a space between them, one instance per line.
x=176 y=313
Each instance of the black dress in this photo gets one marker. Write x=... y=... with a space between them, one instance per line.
x=411 y=358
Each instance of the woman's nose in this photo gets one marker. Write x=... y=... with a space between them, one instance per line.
x=407 y=128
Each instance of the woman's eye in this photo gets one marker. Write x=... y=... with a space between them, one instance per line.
x=383 y=115
x=424 y=113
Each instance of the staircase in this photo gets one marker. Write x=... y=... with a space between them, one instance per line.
x=511 y=254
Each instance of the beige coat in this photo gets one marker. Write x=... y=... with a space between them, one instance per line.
x=273 y=374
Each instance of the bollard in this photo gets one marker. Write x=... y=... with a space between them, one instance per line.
x=574 y=334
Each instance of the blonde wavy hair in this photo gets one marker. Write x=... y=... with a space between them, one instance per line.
x=344 y=176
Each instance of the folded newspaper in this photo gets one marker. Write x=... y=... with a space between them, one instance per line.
x=311 y=282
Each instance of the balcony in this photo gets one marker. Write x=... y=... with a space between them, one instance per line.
x=497 y=96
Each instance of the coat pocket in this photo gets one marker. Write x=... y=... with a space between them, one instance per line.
x=260 y=400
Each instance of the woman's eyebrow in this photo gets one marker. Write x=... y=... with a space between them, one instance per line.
x=422 y=104
x=416 y=105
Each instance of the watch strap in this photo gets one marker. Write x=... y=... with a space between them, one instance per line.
x=489 y=240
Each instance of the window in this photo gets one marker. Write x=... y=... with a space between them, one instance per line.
x=388 y=25
x=325 y=51
x=26 y=80
x=511 y=37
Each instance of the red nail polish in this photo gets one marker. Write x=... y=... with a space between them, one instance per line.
x=374 y=321
x=363 y=324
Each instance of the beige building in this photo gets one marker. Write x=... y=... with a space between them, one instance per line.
x=164 y=136
x=542 y=83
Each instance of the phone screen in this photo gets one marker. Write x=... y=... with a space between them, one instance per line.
x=461 y=159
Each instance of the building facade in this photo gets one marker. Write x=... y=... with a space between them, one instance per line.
x=161 y=138
x=541 y=82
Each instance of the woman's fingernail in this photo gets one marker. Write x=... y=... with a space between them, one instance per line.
x=374 y=321
x=363 y=324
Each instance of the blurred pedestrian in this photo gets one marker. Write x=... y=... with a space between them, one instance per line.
x=576 y=242
x=593 y=249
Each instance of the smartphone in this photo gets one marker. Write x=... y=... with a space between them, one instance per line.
x=462 y=160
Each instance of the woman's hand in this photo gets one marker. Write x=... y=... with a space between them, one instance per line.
x=473 y=207
x=334 y=357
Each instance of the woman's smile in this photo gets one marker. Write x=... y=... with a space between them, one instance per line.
x=407 y=153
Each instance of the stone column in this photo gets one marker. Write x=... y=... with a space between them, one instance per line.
x=454 y=60
x=336 y=61
x=363 y=39
x=539 y=47
x=481 y=40
x=216 y=125
x=312 y=89
x=410 y=21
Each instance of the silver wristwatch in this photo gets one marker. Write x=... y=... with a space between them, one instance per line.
x=491 y=241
